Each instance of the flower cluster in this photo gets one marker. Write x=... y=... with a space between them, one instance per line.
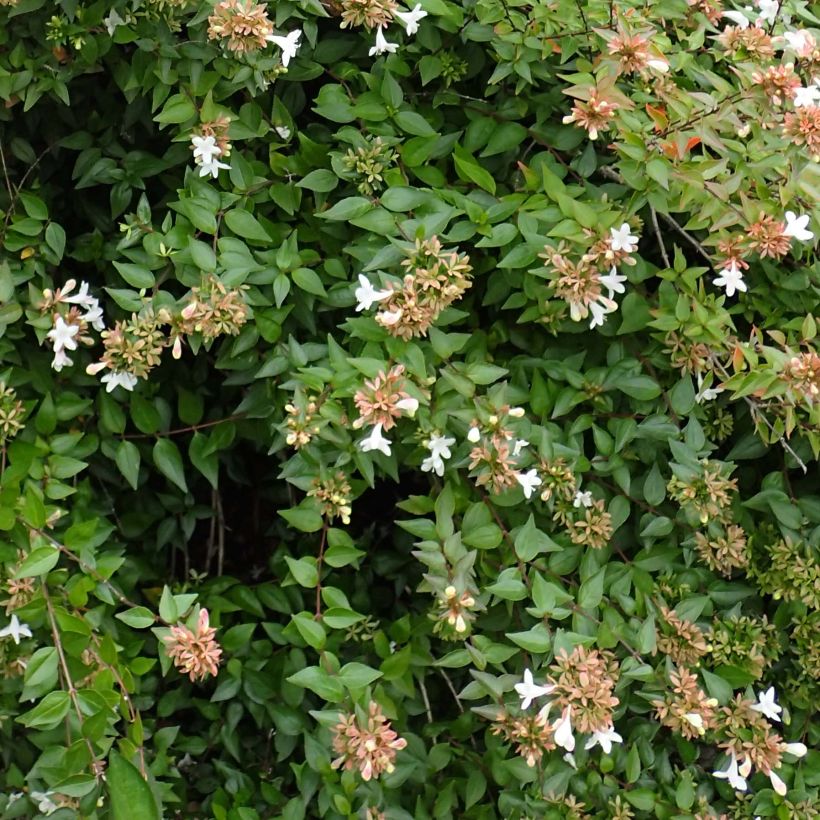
x=368 y=163
x=455 y=612
x=213 y=310
x=244 y=26
x=686 y=709
x=723 y=552
x=707 y=492
x=582 y=284
x=366 y=743
x=580 y=684
x=790 y=570
x=378 y=14
x=334 y=496
x=12 y=413
x=383 y=399
x=300 y=422
x=744 y=642
x=683 y=641
x=72 y=315
x=195 y=654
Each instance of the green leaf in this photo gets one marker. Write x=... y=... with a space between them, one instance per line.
x=320 y=682
x=246 y=225
x=469 y=170
x=304 y=571
x=139 y=617
x=531 y=542
x=302 y=518
x=536 y=640
x=129 y=795
x=357 y=676
x=177 y=109
x=38 y=562
x=311 y=631
x=135 y=275
x=321 y=180
x=169 y=462
x=128 y=462
x=49 y=712
x=591 y=591
x=413 y=123
x=168 y=610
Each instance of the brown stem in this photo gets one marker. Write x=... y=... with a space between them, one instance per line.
x=319 y=562
x=191 y=428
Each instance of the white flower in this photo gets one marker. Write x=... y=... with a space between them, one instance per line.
x=807 y=96
x=289 y=44
x=777 y=784
x=516 y=412
x=375 y=441
x=205 y=148
x=45 y=804
x=766 y=705
x=696 y=720
x=15 y=630
x=112 y=21
x=796 y=749
x=562 y=729
x=520 y=444
x=366 y=294
x=119 y=378
x=658 y=64
x=800 y=41
x=94 y=316
x=474 y=434
x=768 y=10
x=600 y=309
x=528 y=691
x=60 y=360
x=62 y=335
x=439 y=447
x=528 y=481
x=212 y=167
x=622 y=240
x=569 y=757
x=708 y=393
x=389 y=317
x=81 y=297
x=797 y=227
x=604 y=739
x=411 y=18
x=409 y=405
x=736 y=780
x=382 y=46
x=738 y=18
x=283 y=131
x=582 y=499
x=731 y=280
x=613 y=282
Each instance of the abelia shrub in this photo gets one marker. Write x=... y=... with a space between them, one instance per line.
x=409 y=412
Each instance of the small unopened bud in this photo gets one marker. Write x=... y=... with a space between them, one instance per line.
x=516 y=412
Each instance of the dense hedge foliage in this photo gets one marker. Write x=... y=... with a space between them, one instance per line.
x=409 y=412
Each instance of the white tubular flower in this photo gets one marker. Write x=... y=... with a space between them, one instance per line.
x=60 y=360
x=777 y=784
x=600 y=309
x=738 y=18
x=366 y=295
x=283 y=131
x=408 y=405
x=389 y=317
x=528 y=481
x=797 y=749
x=708 y=393
x=604 y=739
x=804 y=97
x=289 y=44
x=736 y=780
x=528 y=690
x=768 y=10
x=112 y=22
x=375 y=441
x=621 y=239
x=797 y=227
x=45 y=805
x=382 y=46
x=411 y=18
x=474 y=434
x=766 y=705
x=62 y=335
x=562 y=729
x=520 y=444
x=731 y=280
x=15 y=630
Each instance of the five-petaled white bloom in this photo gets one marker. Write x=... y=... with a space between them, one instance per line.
x=800 y=41
x=528 y=481
x=289 y=44
x=600 y=309
x=736 y=780
x=45 y=805
x=613 y=282
x=582 y=499
x=706 y=393
x=411 y=18
x=62 y=339
x=366 y=294
x=283 y=131
x=375 y=441
x=604 y=739
x=382 y=46
x=119 y=378
x=768 y=10
x=15 y=630
x=439 y=447
x=621 y=239
x=731 y=280
x=766 y=705
x=93 y=311
x=797 y=227
x=212 y=167
x=112 y=21
x=562 y=729
x=528 y=690
x=205 y=148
